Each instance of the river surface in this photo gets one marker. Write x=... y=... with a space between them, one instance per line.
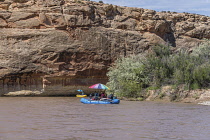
x=65 y=118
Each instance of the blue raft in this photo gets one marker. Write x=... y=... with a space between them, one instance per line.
x=106 y=101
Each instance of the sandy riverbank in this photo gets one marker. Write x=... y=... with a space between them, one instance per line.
x=166 y=94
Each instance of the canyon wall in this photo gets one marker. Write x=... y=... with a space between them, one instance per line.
x=54 y=47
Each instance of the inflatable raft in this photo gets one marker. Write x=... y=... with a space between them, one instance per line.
x=104 y=101
x=78 y=95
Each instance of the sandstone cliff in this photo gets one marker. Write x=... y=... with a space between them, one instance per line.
x=72 y=43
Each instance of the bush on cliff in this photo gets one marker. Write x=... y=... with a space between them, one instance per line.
x=130 y=75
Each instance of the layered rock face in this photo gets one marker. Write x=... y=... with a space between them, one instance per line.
x=59 y=46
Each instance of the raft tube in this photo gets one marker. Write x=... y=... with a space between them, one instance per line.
x=105 y=101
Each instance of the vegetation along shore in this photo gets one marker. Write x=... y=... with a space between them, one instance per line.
x=163 y=74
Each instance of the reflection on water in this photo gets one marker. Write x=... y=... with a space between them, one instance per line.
x=65 y=118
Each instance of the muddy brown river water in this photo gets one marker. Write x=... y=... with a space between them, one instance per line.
x=65 y=118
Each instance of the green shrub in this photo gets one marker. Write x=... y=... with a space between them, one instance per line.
x=161 y=95
x=152 y=88
x=132 y=74
x=201 y=76
x=127 y=77
x=140 y=99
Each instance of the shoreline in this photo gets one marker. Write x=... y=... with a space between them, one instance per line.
x=201 y=96
x=167 y=94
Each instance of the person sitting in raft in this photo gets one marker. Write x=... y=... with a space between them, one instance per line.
x=96 y=98
x=91 y=95
x=103 y=95
x=96 y=94
x=110 y=96
x=82 y=93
